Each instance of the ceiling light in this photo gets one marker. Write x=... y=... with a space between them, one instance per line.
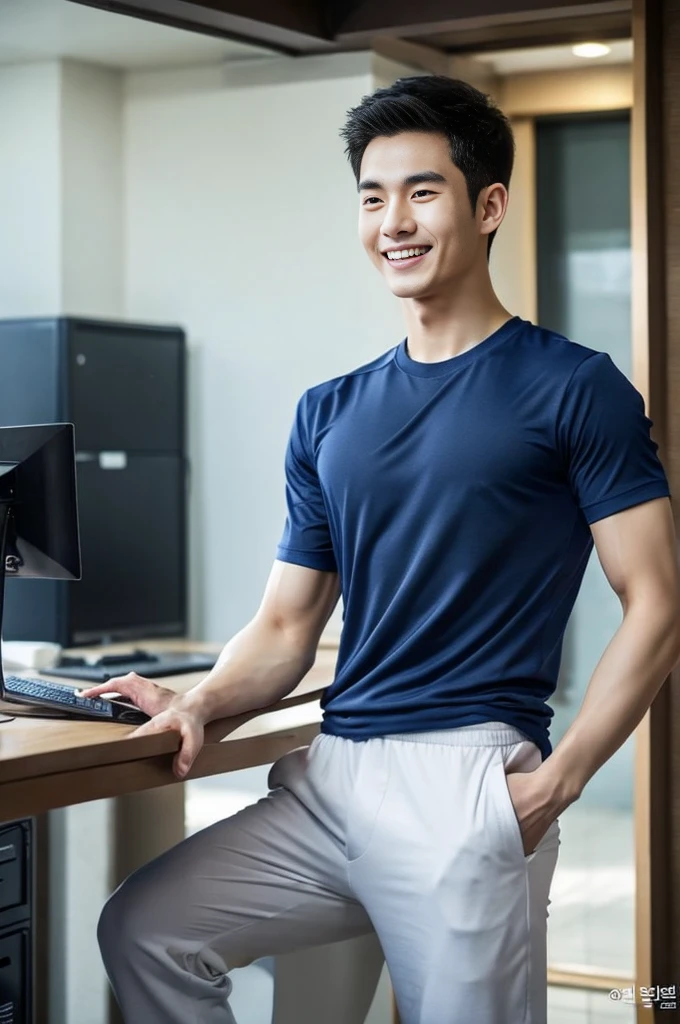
x=590 y=50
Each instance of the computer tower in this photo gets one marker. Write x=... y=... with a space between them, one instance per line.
x=123 y=387
x=16 y=922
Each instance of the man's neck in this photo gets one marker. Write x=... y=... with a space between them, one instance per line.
x=440 y=327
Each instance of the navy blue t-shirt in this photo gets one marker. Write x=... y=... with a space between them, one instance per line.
x=454 y=499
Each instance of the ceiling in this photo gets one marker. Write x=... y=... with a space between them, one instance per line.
x=550 y=58
x=298 y=27
x=43 y=29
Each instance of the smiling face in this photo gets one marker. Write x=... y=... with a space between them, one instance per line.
x=413 y=197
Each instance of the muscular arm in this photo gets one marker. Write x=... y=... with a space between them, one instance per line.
x=637 y=550
x=260 y=664
x=275 y=650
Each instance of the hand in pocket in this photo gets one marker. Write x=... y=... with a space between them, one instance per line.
x=534 y=814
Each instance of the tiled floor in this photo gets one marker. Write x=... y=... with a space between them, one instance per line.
x=591 y=912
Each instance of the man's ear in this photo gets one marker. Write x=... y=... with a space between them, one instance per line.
x=491 y=206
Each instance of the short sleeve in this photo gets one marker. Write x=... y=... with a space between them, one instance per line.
x=306 y=538
x=604 y=437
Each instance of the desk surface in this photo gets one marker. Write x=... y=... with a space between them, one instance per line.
x=47 y=763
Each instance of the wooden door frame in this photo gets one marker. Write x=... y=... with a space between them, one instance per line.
x=653 y=134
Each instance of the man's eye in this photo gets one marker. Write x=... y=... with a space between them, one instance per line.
x=373 y=200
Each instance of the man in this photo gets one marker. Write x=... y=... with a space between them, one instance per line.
x=452 y=488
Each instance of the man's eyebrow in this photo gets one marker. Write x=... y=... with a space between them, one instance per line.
x=420 y=178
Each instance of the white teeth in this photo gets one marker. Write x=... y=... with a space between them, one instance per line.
x=402 y=254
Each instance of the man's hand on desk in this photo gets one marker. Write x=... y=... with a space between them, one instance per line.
x=167 y=714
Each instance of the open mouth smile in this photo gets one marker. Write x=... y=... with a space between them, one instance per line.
x=406 y=257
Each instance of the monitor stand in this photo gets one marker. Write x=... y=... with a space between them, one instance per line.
x=5 y=513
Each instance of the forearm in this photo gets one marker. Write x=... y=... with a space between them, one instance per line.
x=638 y=659
x=258 y=666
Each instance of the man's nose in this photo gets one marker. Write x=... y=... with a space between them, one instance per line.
x=398 y=220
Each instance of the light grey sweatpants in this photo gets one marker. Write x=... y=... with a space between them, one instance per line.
x=414 y=836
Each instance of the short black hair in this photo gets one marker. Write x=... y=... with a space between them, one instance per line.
x=480 y=136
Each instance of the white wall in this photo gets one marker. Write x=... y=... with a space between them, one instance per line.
x=220 y=199
x=241 y=224
x=91 y=247
x=61 y=251
x=30 y=175
x=91 y=190
x=60 y=183
x=241 y=215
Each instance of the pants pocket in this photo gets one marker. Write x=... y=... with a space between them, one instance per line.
x=507 y=818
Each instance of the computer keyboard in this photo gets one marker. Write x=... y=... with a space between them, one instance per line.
x=38 y=691
x=41 y=693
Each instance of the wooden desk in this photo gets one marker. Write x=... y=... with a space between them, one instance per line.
x=48 y=763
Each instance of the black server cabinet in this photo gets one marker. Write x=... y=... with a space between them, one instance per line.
x=16 y=922
x=123 y=387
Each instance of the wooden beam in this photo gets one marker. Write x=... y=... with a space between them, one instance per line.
x=436 y=62
x=477 y=73
x=414 y=55
x=287 y=27
x=655 y=151
x=326 y=26
x=588 y=979
x=402 y=18
x=506 y=36
x=571 y=91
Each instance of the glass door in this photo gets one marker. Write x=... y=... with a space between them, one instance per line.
x=584 y=284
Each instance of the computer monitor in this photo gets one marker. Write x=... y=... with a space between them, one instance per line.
x=39 y=539
x=38 y=507
x=38 y=503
